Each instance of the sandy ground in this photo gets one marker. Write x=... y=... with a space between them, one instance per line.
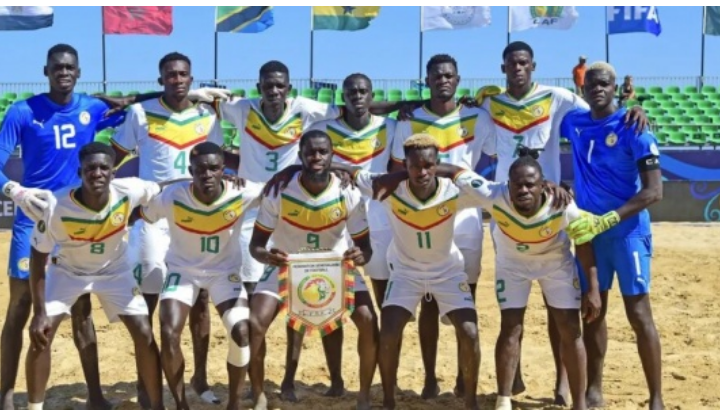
x=685 y=291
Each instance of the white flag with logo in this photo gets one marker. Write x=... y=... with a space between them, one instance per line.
x=453 y=17
x=543 y=17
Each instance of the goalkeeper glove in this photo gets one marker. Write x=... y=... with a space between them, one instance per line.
x=584 y=229
x=32 y=201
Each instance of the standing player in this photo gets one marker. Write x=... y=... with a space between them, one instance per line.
x=528 y=115
x=424 y=261
x=204 y=218
x=462 y=134
x=84 y=229
x=163 y=131
x=312 y=212
x=361 y=139
x=617 y=177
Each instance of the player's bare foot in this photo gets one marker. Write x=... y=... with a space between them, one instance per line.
x=518 y=386
x=202 y=389
x=7 y=401
x=656 y=404
x=248 y=395
x=143 y=399
x=431 y=389
x=388 y=404
x=560 y=400
x=287 y=393
x=102 y=404
x=594 y=398
x=459 y=389
x=261 y=403
x=363 y=403
x=336 y=390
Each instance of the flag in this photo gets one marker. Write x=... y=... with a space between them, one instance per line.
x=343 y=17
x=544 y=17
x=631 y=19
x=243 y=19
x=150 y=20
x=712 y=21
x=453 y=17
x=25 y=17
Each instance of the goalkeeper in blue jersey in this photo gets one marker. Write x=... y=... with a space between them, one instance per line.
x=617 y=177
x=50 y=129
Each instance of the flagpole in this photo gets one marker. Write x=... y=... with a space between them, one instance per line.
x=702 y=47
x=104 y=65
x=312 y=46
x=215 y=71
x=420 y=64
x=607 y=36
x=508 y=27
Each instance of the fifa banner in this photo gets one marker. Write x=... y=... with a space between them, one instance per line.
x=317 y=290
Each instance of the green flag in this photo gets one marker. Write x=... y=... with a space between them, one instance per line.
x=712 y=20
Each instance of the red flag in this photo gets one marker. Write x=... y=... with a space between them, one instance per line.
x=151 y=20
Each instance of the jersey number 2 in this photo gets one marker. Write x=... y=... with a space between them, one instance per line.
x=63 y=135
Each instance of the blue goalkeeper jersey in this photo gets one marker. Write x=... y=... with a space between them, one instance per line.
x=608 y=159
x=50 y=137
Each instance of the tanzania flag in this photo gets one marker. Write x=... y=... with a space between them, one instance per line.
x=243 y=19
x=343 y=17
x=25 y=17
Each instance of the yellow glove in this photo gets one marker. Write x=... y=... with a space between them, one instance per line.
x=486 y=92
x=584 y=229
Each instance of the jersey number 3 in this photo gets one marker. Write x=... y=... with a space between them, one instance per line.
x=64 y=135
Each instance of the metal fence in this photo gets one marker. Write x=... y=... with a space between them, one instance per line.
x=384 y=84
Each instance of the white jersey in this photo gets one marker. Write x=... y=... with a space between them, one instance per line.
x=520 y=238
x=422 y=231
x=299 y=220
x=368 y=149
x=203 y=238
x=163 y=138
x=533 y=121
x=266 y=148
x=87 y=242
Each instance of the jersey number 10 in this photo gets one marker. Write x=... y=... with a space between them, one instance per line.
x=63 y=135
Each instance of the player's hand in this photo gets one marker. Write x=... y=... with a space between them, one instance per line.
x=40 y=331
x=32 y=201
x=237 y=182
x=584 y=229
x=356 y=255
x=468 y=101
x=562 y=194
x=406 y=110
x=346 y=179
x=275 y=257
x=484 y=93
x=209 y=95
x=281 y=180
x=591 y=305
x=386 y=184
x=636 y=116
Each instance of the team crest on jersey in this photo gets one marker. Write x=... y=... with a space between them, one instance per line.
x=234 y=278
x=336 y=214
x=292 y=131
x=545 y=231
x=537 y=110
x=84 y=117
x=464 y=287
x=117 y=219
x=230 y=215
x=611 y=140
x=443 y=210
x=200 y=128
x=376 y=143
x=462 y=131
x=24 y=264
x=576 y=283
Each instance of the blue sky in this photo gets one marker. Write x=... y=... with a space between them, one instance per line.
x=386 y=50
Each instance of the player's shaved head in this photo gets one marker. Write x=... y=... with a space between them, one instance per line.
x=96 y=148
x=206 y=148
x=419 y=142
x=357 y=76
x=173 y=57
x=517 y=47
x=439 y=60
x=62 y=48
x=274 y=66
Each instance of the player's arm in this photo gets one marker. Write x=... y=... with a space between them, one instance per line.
x=40 y=325
x=265 y=223
x=591 y=301
x=357 y=225
x=126 y=136
x=198 y=95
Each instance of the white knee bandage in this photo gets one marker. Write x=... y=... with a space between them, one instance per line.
x=237 y=356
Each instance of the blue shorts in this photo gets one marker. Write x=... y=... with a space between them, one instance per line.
x=629 y=258
x=19 y=260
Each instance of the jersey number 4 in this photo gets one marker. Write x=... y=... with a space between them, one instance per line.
x=64 y=134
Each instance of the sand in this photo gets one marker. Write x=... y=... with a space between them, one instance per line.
x=684 y=296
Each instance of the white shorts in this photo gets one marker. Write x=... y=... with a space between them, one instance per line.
x=185 y=287
x=251 y=270
x=450 y=293
x=269 y=284
x=377 y=268
x=119 y=294
x=149 y=244
x=473 y=264
x=558 y=280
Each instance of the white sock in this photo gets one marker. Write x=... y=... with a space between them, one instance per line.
x=503 y=403
x=35 y=406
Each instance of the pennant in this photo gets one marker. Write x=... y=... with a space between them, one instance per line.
x=148 y=20
x=25 y=17
x=453 y=17
x=542 y=17
x=243 y=19
x=343 y=17
x=633 y=19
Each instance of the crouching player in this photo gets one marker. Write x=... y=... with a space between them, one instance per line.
x=204 y=219
x=84 y=229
